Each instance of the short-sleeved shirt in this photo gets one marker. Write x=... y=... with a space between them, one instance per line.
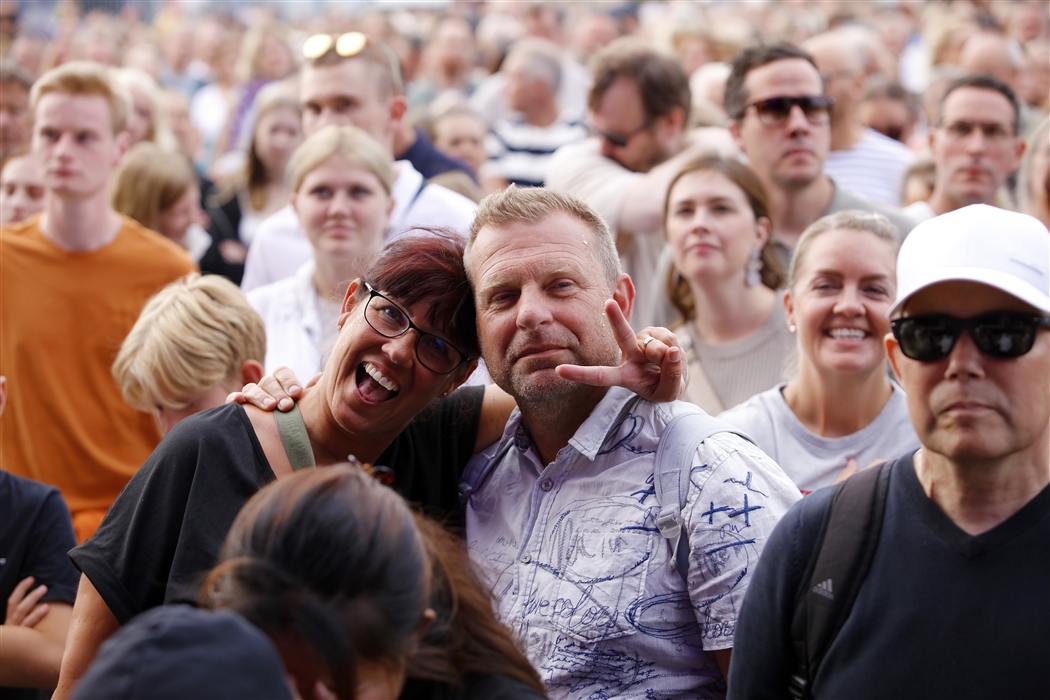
x=164 y=532
x=65 y=314
x=813 y=461
x=580 y=572
x=35 y=534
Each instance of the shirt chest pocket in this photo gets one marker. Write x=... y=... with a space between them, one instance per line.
x=601 y=553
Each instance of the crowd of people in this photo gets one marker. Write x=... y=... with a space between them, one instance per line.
x=525 y=350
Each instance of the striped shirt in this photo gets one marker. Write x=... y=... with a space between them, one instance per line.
x=521 y=153
x=873 y=168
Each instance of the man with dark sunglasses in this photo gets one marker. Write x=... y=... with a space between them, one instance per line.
x=961 y=567
x=780 y=116
x=638 y=112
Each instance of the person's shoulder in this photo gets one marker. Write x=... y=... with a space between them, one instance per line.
x=222 y=424
x=273 y=294
x=150 y=247
x=885 y=145
x=759 y=407
x=282 y=221
x=25 y=492
x=848 y=199
x=571 y=153
x=454 y=206
x=21 y=236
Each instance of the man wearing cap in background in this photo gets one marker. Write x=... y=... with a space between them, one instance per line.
x=954 y=603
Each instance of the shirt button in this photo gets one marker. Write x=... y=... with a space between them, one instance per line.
x=526 y=558
x=547 y=485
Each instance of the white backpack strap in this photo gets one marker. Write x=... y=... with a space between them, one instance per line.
x=674 y=461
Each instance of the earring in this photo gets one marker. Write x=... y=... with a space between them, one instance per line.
x=754 y=269
x=791 y=328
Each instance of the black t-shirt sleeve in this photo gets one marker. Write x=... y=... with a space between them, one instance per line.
x=428 y=458
x=37 y=533
x=763 y=659
x=167 y=525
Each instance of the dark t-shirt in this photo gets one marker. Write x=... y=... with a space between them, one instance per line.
x=942 y=614
x=164 y=531
x=35 y=534
x=429 y=161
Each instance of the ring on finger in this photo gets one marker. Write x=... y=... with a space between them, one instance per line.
x=645 y=343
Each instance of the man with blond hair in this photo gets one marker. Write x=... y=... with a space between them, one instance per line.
x=74 y=280
x=563 y=514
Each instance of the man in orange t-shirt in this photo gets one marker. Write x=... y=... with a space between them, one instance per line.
x=72 y=283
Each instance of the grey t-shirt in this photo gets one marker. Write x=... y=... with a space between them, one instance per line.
x=812 y=461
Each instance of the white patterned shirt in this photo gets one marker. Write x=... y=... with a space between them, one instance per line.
x=580 y=572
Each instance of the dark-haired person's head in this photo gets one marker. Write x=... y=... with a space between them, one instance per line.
x=407 y=336
x=639 y=103
x=330 y=564
x=974 y=142
x=779 y=114
x=16 y=119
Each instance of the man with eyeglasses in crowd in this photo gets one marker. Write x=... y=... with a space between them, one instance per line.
x=954 y=602
x=974 y=143
x=638 y=109
x=356 y=81
x=780 y=117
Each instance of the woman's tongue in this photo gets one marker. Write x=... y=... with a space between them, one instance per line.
x=370 y=389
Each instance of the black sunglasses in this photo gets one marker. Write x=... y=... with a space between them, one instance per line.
x=1001 y=334
x=390 y=321
x=776 y=110
x=620 y=140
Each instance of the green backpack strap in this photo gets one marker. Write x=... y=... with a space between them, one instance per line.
x=296 y=441
x=841 y=557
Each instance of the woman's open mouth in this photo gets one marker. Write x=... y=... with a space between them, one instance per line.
x=373 y=385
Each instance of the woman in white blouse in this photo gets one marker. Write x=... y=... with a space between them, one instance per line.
x=341 y=182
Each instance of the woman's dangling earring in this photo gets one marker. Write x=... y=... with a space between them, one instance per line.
x=754 y=269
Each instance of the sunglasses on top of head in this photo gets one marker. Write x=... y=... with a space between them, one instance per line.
x=775 y=111
x=346 y=45
x=1001 y=334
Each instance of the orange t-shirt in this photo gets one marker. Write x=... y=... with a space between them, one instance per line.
x=63 y=317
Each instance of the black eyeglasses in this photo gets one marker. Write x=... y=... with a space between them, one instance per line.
x=620 y=140
x=390 y=321
x=776 y=110
x=1001 y=334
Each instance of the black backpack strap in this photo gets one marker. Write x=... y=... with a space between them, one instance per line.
x=842 y=555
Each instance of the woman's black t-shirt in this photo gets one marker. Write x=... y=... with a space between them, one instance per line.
x=164 y=532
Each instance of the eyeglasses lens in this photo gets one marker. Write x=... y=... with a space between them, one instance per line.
x=777 y=110
x=390 y=321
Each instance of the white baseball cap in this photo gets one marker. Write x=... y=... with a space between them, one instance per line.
x=978 y=243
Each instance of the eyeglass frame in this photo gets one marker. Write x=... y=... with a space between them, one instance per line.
x=968 y=325
x=373 y=293
x=795 y=101
x=621 y=140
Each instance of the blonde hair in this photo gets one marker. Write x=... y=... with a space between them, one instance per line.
x=192 y=335
x=251 y=46
x=349 y=142
x=849 y=220
x=535 y=204
x=85 y=78
x=149 y=181
x=135 y=79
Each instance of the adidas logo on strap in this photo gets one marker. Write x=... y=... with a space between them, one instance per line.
x=824 y=589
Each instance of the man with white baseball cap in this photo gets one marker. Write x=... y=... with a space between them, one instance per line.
x=954 y=601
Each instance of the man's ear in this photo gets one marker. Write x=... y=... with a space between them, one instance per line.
x=251 y=372
x=1018 y=153
x=893 y=352
x=734 y=130
x=398 y=107
x=123 y=140
x=623 y=295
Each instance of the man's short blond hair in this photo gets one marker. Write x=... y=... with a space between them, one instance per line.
x=192 y=335
x=85 y=78
x=535 y=204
